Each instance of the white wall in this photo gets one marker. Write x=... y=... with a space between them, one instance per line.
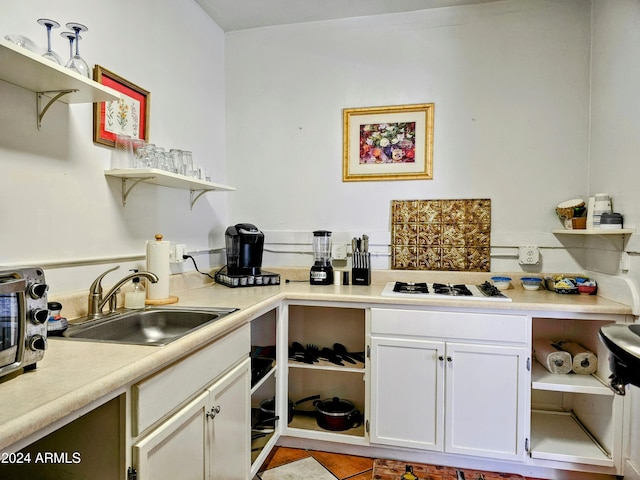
x=510 y=83
x=615 y=141
x=55 y=202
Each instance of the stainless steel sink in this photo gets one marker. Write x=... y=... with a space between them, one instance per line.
x=151 y=326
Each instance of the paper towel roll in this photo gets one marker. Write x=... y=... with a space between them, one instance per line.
x=584 y=362
x=158 y=263
x=554 y=360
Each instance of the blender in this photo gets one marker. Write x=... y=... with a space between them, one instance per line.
x=322 y=271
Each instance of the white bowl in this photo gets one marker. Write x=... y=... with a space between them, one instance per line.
x=501 y=283
x=531 y=283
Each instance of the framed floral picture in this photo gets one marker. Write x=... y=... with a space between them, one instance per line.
x=388 y=143
x=127 y=116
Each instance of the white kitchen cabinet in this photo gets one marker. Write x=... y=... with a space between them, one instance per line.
x=486 y=412
x=407 y=406
x=162 y=454
x=463 y=386
x=191 y=420
x=207 y=439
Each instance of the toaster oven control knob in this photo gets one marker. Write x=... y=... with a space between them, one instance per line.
x=39 y=315
x=38 y=290
x=38 y=342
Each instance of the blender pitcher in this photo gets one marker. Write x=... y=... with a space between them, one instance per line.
x=321 y=271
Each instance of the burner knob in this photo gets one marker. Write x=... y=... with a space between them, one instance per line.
x=38 y=290
x=39 y=315
x=38 y=342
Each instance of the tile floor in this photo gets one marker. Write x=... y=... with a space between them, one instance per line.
x=294 y=464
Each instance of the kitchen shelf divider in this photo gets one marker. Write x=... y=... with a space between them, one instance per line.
x=271 y=373
x=48 y=80
x=541 y=379
x=325 y=365
x=162 y=178
x=560 y=436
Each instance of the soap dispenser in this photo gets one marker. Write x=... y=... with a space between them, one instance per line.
x=135 y=299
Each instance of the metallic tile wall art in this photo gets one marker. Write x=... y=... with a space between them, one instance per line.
x=453 y=235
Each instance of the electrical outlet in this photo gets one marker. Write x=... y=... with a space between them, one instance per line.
x=339 y=251
x=625 y=261
x=528 y=255
x=181 y=250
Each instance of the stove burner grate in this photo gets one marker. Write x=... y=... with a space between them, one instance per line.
x=490 y=290
x=452 y=290
x=410 y=287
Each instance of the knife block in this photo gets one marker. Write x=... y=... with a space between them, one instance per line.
x=361 y=270
x=360 y=276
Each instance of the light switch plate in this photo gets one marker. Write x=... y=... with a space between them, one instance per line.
x=528 y=255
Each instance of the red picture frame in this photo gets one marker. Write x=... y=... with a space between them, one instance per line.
x=127 y=116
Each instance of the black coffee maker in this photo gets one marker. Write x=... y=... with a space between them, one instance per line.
x=245 y=243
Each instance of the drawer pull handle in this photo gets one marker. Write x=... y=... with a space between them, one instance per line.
x=213 y=412
x=449 y=359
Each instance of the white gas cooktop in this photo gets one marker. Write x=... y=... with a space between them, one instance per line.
x=443 y=291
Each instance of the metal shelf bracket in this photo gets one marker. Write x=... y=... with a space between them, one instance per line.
x=39 y=101
x=126 y=191
x=196 y=194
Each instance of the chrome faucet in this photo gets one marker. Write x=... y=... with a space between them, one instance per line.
x=96 y=299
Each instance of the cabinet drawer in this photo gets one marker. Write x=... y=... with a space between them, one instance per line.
x=156 y=396
x=458 y=325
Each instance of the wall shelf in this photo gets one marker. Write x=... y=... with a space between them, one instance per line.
x=596 y=231
x=131 y=177
x=48 y=80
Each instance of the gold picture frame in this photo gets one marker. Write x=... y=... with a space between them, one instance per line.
x=388 y=143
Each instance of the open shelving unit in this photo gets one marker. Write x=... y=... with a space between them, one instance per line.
x=575 y=418
x=263 y=334
x=50 y=82
x=131 y=177
x=319 y=325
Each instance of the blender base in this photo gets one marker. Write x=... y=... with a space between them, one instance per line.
x=321 y=275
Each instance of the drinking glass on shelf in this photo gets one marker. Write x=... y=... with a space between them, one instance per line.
x=187 y=160
x=122 y=154
x=176 y=161
x=70 y=36
x=50 y=54
x=149 y=159
x=76 y=62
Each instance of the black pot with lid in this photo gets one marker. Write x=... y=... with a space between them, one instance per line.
x=337 y=414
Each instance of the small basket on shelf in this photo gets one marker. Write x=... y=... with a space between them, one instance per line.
x=572 y=214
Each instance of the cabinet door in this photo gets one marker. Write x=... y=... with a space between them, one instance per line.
x=486 y=400
x=178 y=447
x=407 y=385
x=229 y=425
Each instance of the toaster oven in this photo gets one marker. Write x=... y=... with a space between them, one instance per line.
x=23 y=318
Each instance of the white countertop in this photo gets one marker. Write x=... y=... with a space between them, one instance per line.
x=76 y=375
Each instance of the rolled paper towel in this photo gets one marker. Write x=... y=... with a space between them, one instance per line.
x=584 y=362
x=158 y=263
x=553 y=359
